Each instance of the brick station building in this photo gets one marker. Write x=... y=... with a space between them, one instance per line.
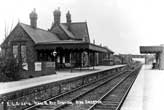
x=67 y=44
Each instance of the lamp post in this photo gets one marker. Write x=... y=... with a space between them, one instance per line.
x=54 y=54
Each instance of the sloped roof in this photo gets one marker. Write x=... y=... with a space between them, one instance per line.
x=109 y=50
x=78 y=30
x=39 y=35
x=65 y=29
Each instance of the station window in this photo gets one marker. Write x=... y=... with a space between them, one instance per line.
x=3 y=52
x=15 y=51
x=23 y=53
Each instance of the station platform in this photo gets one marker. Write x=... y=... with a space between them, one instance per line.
x=147 y=91
x=6 y=87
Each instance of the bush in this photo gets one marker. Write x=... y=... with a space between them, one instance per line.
x=9 y=68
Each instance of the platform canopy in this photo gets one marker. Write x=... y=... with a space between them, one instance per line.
x=150 y=49
x=68 y=44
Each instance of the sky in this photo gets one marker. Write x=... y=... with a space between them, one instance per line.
x=122 y=25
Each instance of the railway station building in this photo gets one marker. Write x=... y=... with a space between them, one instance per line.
x=62 y=45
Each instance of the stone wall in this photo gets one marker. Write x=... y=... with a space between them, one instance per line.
x=45 y=91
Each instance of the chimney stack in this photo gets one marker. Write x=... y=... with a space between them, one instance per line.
x=68 y=18
x=57 y=15
x=33 y=19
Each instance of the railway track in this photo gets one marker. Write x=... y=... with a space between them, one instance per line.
x=93 y=96
x=90 y=94
x=114 y=98
x=115 y=88
x=73 y=94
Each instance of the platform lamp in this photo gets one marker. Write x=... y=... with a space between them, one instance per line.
x=54 y=53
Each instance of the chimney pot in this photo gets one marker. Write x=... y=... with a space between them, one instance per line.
x=33 y=18
x=57 y=15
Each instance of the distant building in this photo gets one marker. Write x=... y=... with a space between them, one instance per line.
x=159 y=55
x=126 y=58
x=66 y=44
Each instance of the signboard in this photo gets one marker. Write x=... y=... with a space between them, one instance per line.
x=25 y=66
x=38 y=66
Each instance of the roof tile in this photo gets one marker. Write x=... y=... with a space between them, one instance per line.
x=39 y=35
x=79 y=30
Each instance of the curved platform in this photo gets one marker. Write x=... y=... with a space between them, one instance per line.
x=147 y=91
